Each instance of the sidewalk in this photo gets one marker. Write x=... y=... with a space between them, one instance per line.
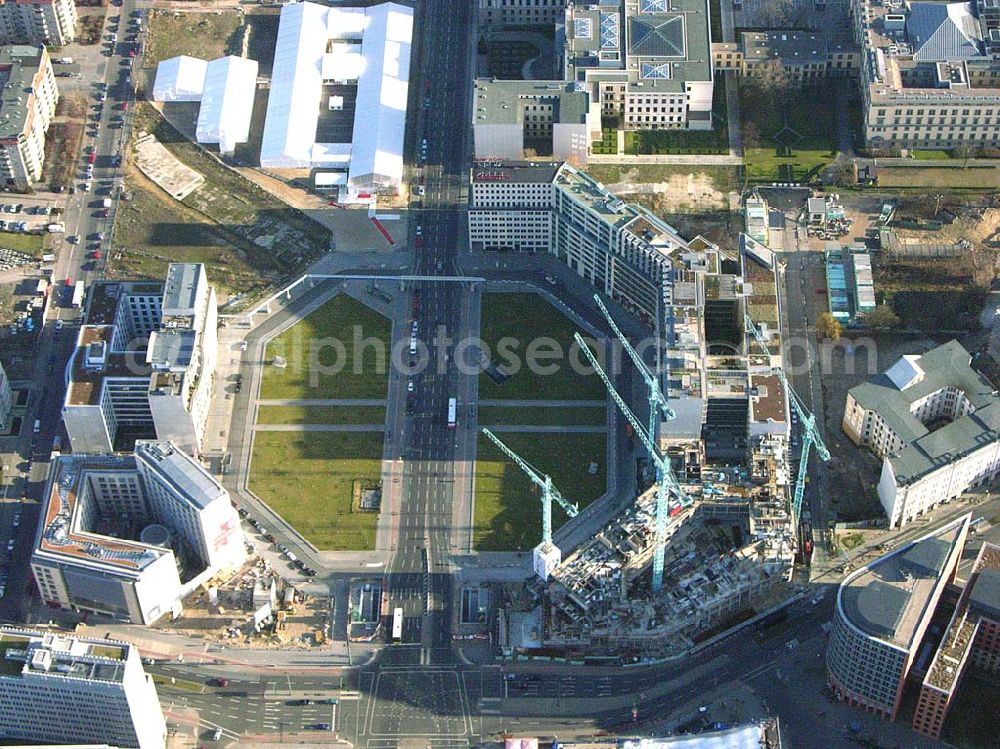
x=678 y=159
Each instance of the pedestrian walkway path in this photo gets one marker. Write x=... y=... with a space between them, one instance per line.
x=319 y=427
x=543 y=403
x=550 y=429
x=678 y=159
x=322 y=402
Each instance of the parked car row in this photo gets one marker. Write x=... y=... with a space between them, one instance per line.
x=285 y=551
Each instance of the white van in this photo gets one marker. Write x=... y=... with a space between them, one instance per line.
x=37 y=427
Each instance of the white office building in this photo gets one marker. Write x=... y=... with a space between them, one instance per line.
x=57 y=688
x=145 y=363
x=933 y=420
x=339 y=92
x=6 y=401
x=646 y=64
x=130 y=536
x=623 y=250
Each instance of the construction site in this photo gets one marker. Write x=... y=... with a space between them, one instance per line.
x=713 y=537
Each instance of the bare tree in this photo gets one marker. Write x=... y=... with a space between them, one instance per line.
x=775 y=13
x=770 y=77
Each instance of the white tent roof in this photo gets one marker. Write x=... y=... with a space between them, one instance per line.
x=330 y=179
x=380 y=116
x=296 y=84
x=331 y=154
x=180 y=79
x=346 y=23
x=382 y=69
x=227 y=102
x=344 y=62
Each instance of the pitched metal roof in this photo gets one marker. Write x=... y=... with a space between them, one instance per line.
x=943 y=31
x=656 y=35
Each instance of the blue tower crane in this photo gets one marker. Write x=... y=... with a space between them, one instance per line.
x=810 y=433
x=657 y=400
x=666 y=480
x=544 y=482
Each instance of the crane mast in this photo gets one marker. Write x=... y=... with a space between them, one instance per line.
x=657 y=400
x=549 y=491
x=667 y=481
x=810 y=432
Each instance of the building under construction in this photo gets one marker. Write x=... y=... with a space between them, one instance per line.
x=731 y=541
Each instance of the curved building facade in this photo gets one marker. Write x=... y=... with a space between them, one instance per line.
x=882 y=613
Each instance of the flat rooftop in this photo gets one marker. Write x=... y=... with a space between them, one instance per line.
x=536 y=172
x=104 y=295
x=192 y=482
x=29 y=653
x=172 y=348
x=59 y=535
x=658 y=45
x=890 y=597
x=86 y=381
x=980 y=599
x=180 y=290
x=611 y=209
x=502 y=102
x=768 y=405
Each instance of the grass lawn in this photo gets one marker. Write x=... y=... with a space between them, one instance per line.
x=326 y=338
x=524 y=319
x=489 y=416
x=508 y=513
x=321 y=415
x=308 y=479
x=806 y=124
x=930 y=155
x=30 y=244
x=204 y=35
x=608 y=144
x=725 y=178
x=765 y=165
x=987 y=178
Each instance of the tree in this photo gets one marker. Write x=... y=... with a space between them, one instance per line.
x=775 y=13
x=751 y=135
x=770 y=77
x=843 y=173
x=882 y=317
x=828 y=326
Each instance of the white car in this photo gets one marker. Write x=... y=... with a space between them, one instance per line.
x=409 y=387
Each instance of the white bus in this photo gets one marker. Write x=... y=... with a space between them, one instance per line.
x=397 y=624
x=452 y=408
x=77 y=300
